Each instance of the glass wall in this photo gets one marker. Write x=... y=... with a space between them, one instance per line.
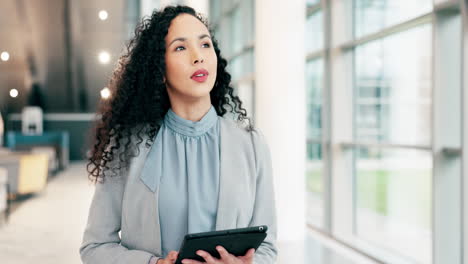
x=314 y=171
x=383 y=123
x=234 y=27
x=371 y=16
x=389 y=74
x=392 y=106
x=314 y=44
x=393 y=200
x=314 y=32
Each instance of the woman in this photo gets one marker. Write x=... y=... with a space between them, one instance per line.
x=197 y=170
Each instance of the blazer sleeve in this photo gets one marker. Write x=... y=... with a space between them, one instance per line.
x=101 y=240
x=265 y=207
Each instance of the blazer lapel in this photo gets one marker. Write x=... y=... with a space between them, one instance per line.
x=152 y=168
x=226 y=216
x=143 y=208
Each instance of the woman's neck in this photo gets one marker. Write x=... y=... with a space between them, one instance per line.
x=193 y=112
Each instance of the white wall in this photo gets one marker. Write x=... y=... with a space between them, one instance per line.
x=280 y=105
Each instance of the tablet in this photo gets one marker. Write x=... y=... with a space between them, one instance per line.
x=236 y=241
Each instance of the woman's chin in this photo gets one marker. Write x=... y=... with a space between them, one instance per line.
x=198 y=95
x=200 y=91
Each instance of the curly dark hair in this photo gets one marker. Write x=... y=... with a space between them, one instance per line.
x=139 y=98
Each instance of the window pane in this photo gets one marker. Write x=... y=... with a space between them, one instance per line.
x=224 y=35
x=247 y=10
x=314 y=185
x=248 y=62
x=393 y=89
x=241 y=66
x=215 y=11
x=314 y=79
x=314 y=32
x=227 y=5
x=235 y=68
x=314 y=177
x=373 y=15
x=312 y=2
x=393 y=200
x=237 y=34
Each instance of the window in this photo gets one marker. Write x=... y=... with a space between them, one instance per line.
x=373 y=15
x=393 y=200
x=314 y=32
x=314 y=81
x=314 y=170
x=312 y=2
x=234 y=28
x=393 y=89
x=392 y=105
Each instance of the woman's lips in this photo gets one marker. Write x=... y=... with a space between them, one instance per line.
x=200 y=78
x=200 y=75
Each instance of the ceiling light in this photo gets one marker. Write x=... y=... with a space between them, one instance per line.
x=5 y=56
x=104 y=57
x=105 y=93
x=103 y=15
x=13 y=93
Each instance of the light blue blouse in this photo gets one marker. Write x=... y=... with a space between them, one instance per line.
x=185 y=160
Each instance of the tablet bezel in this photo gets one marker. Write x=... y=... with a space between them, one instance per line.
x=254 y=235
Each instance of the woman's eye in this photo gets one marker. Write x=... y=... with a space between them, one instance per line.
x=207 y=45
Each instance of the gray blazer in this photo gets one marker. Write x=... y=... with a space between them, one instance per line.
x=126 y=204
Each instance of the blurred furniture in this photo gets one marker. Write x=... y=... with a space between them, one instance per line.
x=27 y=172
x=33 y=173
x=4 y=205
x=31 y=120
x=2 y=129
x=78 y=125
x=11 y=164
x=58 y=139
x=51 y=155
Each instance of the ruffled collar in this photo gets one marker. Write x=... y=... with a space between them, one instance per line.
x=188 y=127
x=152 y=168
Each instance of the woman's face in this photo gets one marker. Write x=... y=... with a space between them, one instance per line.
x=189 y=49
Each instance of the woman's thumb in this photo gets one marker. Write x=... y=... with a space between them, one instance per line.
x=173 y=255
x=250 y=253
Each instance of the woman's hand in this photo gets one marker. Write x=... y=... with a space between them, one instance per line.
x=226 y=258
x=170 y=258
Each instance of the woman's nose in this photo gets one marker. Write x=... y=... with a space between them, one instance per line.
x=197 y=57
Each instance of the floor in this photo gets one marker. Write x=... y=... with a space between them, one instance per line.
x=47 y=228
